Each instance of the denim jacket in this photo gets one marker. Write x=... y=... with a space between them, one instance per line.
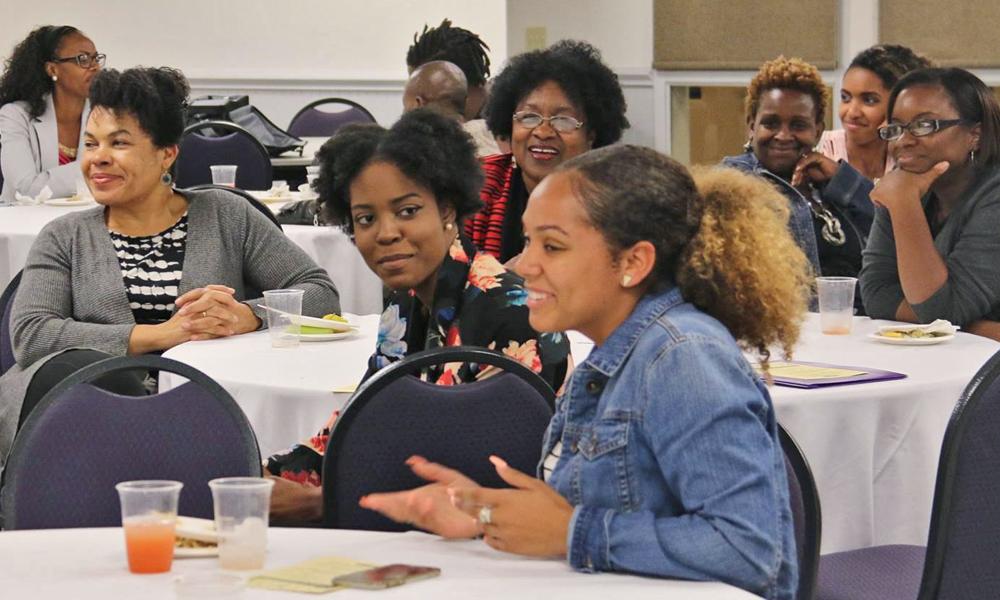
x=667 y=447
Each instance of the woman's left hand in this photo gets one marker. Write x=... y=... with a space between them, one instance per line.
x=213 y=312
x=814 y=168
x=531 y=519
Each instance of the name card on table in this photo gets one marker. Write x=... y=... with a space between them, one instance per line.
x=813 y=375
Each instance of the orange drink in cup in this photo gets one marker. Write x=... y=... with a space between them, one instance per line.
x=149 y=513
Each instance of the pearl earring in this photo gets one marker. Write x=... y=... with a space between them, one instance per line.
x=627 y=279
x=449 y=226
x=54 y=78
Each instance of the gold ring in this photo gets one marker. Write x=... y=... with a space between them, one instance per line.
x=204 y=314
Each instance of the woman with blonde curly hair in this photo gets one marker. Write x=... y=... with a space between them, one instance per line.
x=663 y=456
x=831 y=214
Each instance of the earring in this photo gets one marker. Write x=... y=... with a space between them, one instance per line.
x=54 y=78
x=972 y=156
x=449 y=226
x=627 y=279
x=747 y=147
x=166 y=178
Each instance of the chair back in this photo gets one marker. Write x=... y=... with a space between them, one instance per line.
x=260 y=206
x=221 y=143
x=311 y=121
x=963 y=548
x=7 y=359
x=395 y=415
x=81 y=440
x=806 y=514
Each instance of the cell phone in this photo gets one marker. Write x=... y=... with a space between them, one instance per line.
x=386 y=576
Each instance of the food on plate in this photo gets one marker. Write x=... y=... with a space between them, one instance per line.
x=191 y=532
x=914 y=333
x=333 y=317
x=310 y=330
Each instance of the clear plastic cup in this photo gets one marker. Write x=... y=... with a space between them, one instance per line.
x=149 y=513
x=281 y=304
x=836 y=304
x=224 y=175
x=241 y=508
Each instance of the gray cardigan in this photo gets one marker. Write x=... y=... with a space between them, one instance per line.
x=72 y=294
x=969 y=244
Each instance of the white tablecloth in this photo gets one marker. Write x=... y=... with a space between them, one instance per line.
x=89 y=564
x=360 y=289
x=286 y=393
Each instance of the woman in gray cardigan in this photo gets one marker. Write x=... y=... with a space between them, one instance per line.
x=152 y=267
x=43 y=110
x=934 y=244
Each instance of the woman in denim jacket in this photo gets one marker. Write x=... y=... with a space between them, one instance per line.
x=662 y=458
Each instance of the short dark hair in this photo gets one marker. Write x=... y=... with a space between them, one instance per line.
x=578 y=69
x=156 y=97
x=427 y=147
x=455 y=45
x=973 y=101
x=24 y=77
x=889 y=62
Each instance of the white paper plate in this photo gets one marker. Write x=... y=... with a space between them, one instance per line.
x=327 y=337
x=69 y=201
x=908 y=341
x=317 y=322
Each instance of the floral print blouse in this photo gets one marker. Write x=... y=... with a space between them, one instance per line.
x=477 y=302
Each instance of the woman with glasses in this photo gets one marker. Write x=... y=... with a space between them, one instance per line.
x=552 y=105
x=830 y=212
x=43 y=109
x=662 y=458
x=934 y=244
x=864 y=92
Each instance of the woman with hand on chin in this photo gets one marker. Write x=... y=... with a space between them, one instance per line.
x=152 y=266
x=934 y=245
x=663 y=457
x=43 y=110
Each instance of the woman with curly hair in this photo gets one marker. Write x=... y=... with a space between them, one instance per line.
x=402 y=194
x=663 y=456
x=831 y=214
x=43 y=110
x=864 y=92
x=552 y=105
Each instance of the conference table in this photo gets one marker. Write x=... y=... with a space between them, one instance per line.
x=360 y=289
x=90 y=564
x=873 y=447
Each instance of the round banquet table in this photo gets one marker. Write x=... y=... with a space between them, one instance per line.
x=86 y=564
x=19 y=226
x=873 y=447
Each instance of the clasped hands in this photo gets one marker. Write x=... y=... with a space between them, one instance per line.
x=212 y=311
x=530 y=519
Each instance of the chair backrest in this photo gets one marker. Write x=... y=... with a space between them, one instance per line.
x=227 y=144
x=81 y=440
x=395 y=415
x=963 y=547
x=260 y=206
x=311 y=121
x=806 y=514
x=7 y=359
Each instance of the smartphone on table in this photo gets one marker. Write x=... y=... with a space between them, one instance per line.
x=386 y=576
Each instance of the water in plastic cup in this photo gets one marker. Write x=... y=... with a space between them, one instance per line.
x=224 y=175
x=284 y=333
x=241 y=508
x=149 y=512
x=836 y=304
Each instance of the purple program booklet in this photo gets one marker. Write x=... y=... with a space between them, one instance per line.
x=782 y=373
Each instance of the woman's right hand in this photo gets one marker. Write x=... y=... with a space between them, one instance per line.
x=899 y=188
x=429 y=507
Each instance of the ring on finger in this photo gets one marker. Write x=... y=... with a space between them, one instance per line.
x=204 y=314
x=486 y=515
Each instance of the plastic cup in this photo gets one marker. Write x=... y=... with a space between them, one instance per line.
x=284 y=333
x=149 y=512
x=241 y=508
x=224 y=175
x=836 y=304
x=312 y=170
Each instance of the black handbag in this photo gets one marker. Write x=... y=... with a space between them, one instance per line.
x=275 y=139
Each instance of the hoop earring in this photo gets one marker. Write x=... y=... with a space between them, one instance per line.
x=166 y=179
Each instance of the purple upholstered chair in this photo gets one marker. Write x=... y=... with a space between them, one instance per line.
x=394 y=415
x=962 y=557
x=313 y=122
x=806 y=514
x=7 y=359
x=227 y=144
x=80 y=441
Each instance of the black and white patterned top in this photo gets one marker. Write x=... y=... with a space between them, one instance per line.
x=151 y=269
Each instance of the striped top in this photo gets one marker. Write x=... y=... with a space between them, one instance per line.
x=486 y=228
x=151 y=270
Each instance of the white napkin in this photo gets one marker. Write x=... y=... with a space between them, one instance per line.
x=279 y=191
x=42 y=196
x=938 y=326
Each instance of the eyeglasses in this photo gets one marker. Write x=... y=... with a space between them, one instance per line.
x=918 y=128
x=561 y=123
x=84 y=60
